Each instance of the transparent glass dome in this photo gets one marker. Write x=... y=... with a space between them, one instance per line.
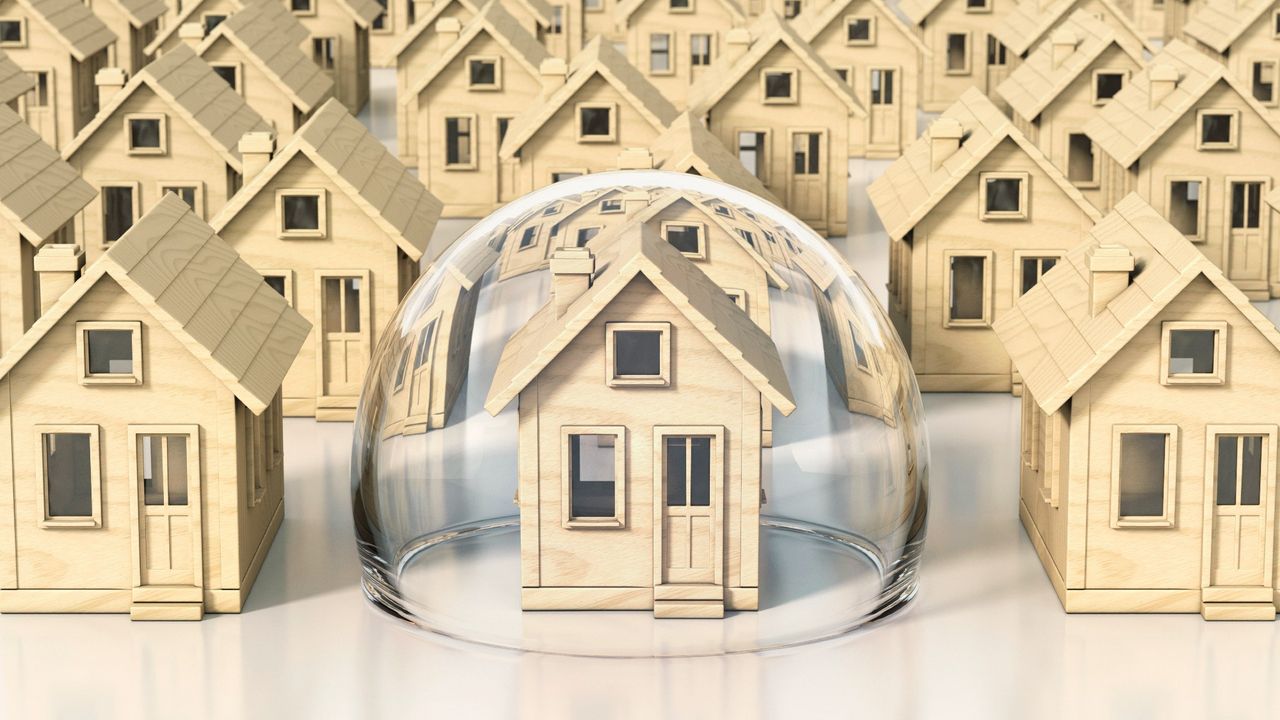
x=632 y=397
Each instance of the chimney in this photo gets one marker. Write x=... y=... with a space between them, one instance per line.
x=256 y=148
x=736 y=43
x=57 y=267
x=109 y=81
x=191 y=34
x=1109 y=269
x=554 y=72
x=944 y=140
x=447 y=31
x=1064 y=44
x=633 y=201
x=571 y=270
x=635 y=159
x=1164 y=79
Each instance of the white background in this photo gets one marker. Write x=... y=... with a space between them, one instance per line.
x=986 y=638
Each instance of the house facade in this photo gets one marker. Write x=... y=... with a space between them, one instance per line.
x=1032 y=23
x=338 y=42
x=1245 y=37
x=651 y=498
x=142 y=432
x=674 y=43
x=965 y=51
x=976 y=215
x=338 y=227
x=135 y=23
x=686 y=146
x=1135 y=498
x=1189 y=137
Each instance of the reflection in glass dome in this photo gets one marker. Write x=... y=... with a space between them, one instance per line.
x=637 y=396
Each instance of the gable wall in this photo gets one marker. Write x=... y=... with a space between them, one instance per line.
x=1257 y=42
x=708 y=17
x=938 y=89
x=351 y=75
x=260 y=91
x=46 y=51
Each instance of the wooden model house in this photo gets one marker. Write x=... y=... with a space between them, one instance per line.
x=208 y=14
x=975 y=214
x=338 y=226
x=1245 y=36
x=42 y=195
x=259 y=59
x=1060 y=86
x=451 y=121
x=135 y=24
x=1190 y=138
x=674 y=43
x=174 y=127
x=601 y=18
x=142 y=431
x=416 y=46
x=1176 y=15
x=1146 y=15
x=649 y=495
x=14 y=83
x=1148 y=479
x=688 y=147
x=62 y=45
x=338 y=42
x=578 y=124
x=791 y=120
x=881 y=59
x=1032 y=23
x=960 y=34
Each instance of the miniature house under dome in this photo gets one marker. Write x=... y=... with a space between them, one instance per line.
x=633 y=397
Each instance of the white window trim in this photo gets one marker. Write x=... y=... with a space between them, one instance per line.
x=1202 y=205
x=497 y=73
x=988 y=273
x=82 y=352
x=1219 y=374
x=322 y=215
x=94 y=519
x=578 y=231
x=619 y=518
x=520 y=246
x=1023 y=195
x=791 y=99
x=613 y=122
x=196 y=184
x=967 y=68
x=611 y=210
x=1231 y=144
x=738 y=296
x=871 y=31
x=164 y=134
x=22 y=23
x=1166 y=519
x=701 y=229
x=662 y=379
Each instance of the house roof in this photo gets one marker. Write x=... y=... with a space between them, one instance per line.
x=256 y=30
x=539 y=9
x=810 y=23
x=910 y=187
x=14 y=81
x=1219 y=23
x=597 y=58
x=359 y=164
x=688 y=144
x=917 y=11
x=641 y=251
x=500 y=25
x=1127 y=126
x=766 y=34
x=74 y=23
x=1037 y=82
x=39 y=192
x=141 y=12
x=1051 y=333
x=215 y=111
x=190 y=9
x=199 y=290
x=1031 y=20
x=627 y=8
x=364 y=12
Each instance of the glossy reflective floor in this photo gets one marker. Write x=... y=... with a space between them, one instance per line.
x=986 y=638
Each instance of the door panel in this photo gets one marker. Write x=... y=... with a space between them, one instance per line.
x=1247 y=221
x=886 y=112
x=344 y=333
x=807 y=186
x=1242 y=484
x=166 y=470
x=690 y=488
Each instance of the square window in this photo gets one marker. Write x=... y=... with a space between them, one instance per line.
x=70 y=474
x=638 y=354
x=13 y=32
x=229 y=73
x=528 y=237
x=1142 y=472
x=688 y=238
x=593 y=477
x=110 y=352
x=779 y=86
x=596 y=123
x=1003 y=196
x=1218 y=129
x=1193 y=353
x=660 y=54
x=1106 y=83
x=302 y=213
x=968 y=288
x=1031 y=268
x=484 y=73
x=739 y=297
x=1186 y=211
x=212 y=21
x=699 y=49
x=958 y=54
x=608 y=207
x=460 y=143
x=145 y=134
x=302 y=7
x=860 y=31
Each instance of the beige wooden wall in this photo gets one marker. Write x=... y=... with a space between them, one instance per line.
x=19 y=300
x=1048 y=521
x=938 y=89
x=259 y=91
x=44 y=51
x=410 y=66
x=1257 y=42
x=351 y=79
x=708 y=17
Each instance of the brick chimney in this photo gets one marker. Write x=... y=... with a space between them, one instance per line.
x=1064 y=43
x=256 y=148
x=57 y=267
x=571 y=271
x=1164 y=80
x=1109 y=269
x=109 y=81
x=554 y=71
x=945 y=135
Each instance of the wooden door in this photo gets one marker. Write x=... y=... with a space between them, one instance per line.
x=886 y=111
x=38 y=106
x=807 y=186
x=344 y=333
x=1241 y=486
x=1247 y=250
x=689 y=484
x=165 y=469
x=997 y=65
x=423 y=361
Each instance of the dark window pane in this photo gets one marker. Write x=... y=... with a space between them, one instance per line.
x=675 y=447
x=585 y=235
x=595 y=121
x=177 y=466
x=1142 y=471
x=276 y=282
x=1264 y=87
x=699 y=471
x=1215 y=128
x=301 y=212
x=1108 y=84
x=1251 y=470
x=212 y=21
x=457 y=141
x=424 y=345
x=1184 y=206
x=957 y=52
x=117 y=212
x=68 y=475
x=10 y=31
x=110 y=352
x=503 y=124
x=144 y=133
x=777 y=85
x=1004 y=195
x=859 y=30
x=484 y=72
x=351 y=304
x=1228 y=461
x=152 y=470
x=685 y=238
x=186 y=192
x=403 y=367
x=968 y=287
x=591 y=476
x=1191 y=352
x=226 y=72
x=1079 y=158
x=637 y=353
x=528 y=236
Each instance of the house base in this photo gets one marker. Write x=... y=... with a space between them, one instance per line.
x=166 y=611
x=964 y=383
x=335 y=414
x=1238 y=610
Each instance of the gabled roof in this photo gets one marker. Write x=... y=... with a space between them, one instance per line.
x=39 y=193
x=1037 y=82
x=199 y=290
x=910 y=187
x=597 y=58
x=1032 y=20
x=1055 y=340
x=688 y=144
x=1127 y=126
x=73 y=23
x=142 y=12
x=358 y=163
x=539 y=9
x=917 y=11
x=256 y=30
x=364 y=12
x=1219 y=23
x=641 y=251
x=190 y=8
x=627 y=8
x=179 y=77
x=766 y=34
x=500 y=25
x=14 y=81
x=811 y=22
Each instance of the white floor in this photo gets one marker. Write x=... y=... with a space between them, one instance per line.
x=986 y=638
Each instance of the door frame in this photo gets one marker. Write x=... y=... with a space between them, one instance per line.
x=1219 y=593
x=718 y=524
x=1264 y=224
x=366 y=331
x=897 y=105
x=824 y=170
x=167 y=592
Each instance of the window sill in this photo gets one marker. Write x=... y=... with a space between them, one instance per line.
x=966 y=324
x=1001 y=217
x=860 y=43
x=147 y=151
x=302 y=235
x=459 y=168
x=1152 y=524
x=959 y=73
x=1090 y=185
x=596 y=139
x=111 y=380
x=1194 y=380
x=1217 y=146
x=600 y=524
x=639 y=382
x=780 y=101
x=85 y=524
x=484 y=88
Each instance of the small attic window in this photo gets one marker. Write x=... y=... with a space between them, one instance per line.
x=585 y=235
x=688 y=238
x=974 y=6
x=1219 y=129
x=638 y=354
x=1003 y=195
x=528 y=238
x=229 y=72
x=778 y=86
x=1106 y=83
x=302 y=7
x=680 y=6
x=302 y=213
x=610 y=206
x=13 y=32
x=597 y=122
x=860 y=30
x=110 y=352
x=210 y=21
x=484 y=73
x=1193 y=353
x=791 y=8
x=145 y=133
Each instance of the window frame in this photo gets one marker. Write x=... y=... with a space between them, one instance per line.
x=619 y=518
x=988 y=291
x=335 y=49
x=662 y=379
x=765 y=137
x=1024 y=191
x=22 y=25
x=738 y=296
x=1093 y=83
x=1275 y=80
x=136 y=188
x=984 y=8
x=967 y=68
x=520 y=244
x=671 y=54
x=94 y=519
x=309 y=12
x=792 y=99
x=701 y=228
x=1166 y=519
x=613 y=122
x=1219 y=374
x=163 y=119
x=871 y=31
x=577 y=235
x=1202 y=205
x=237 y=68
x=576 y=172
x=695 y=60
x=612 y=209
x=1096 y=182
x=1021 y=255
x=496 y=86
x=198 y=186
x=287 y=274
x=472 y=142
x=134 y=377
x=322 y=216
x=1231 y=144
x=687 y=10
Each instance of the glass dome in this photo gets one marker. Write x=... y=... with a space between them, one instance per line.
x=632 y=397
